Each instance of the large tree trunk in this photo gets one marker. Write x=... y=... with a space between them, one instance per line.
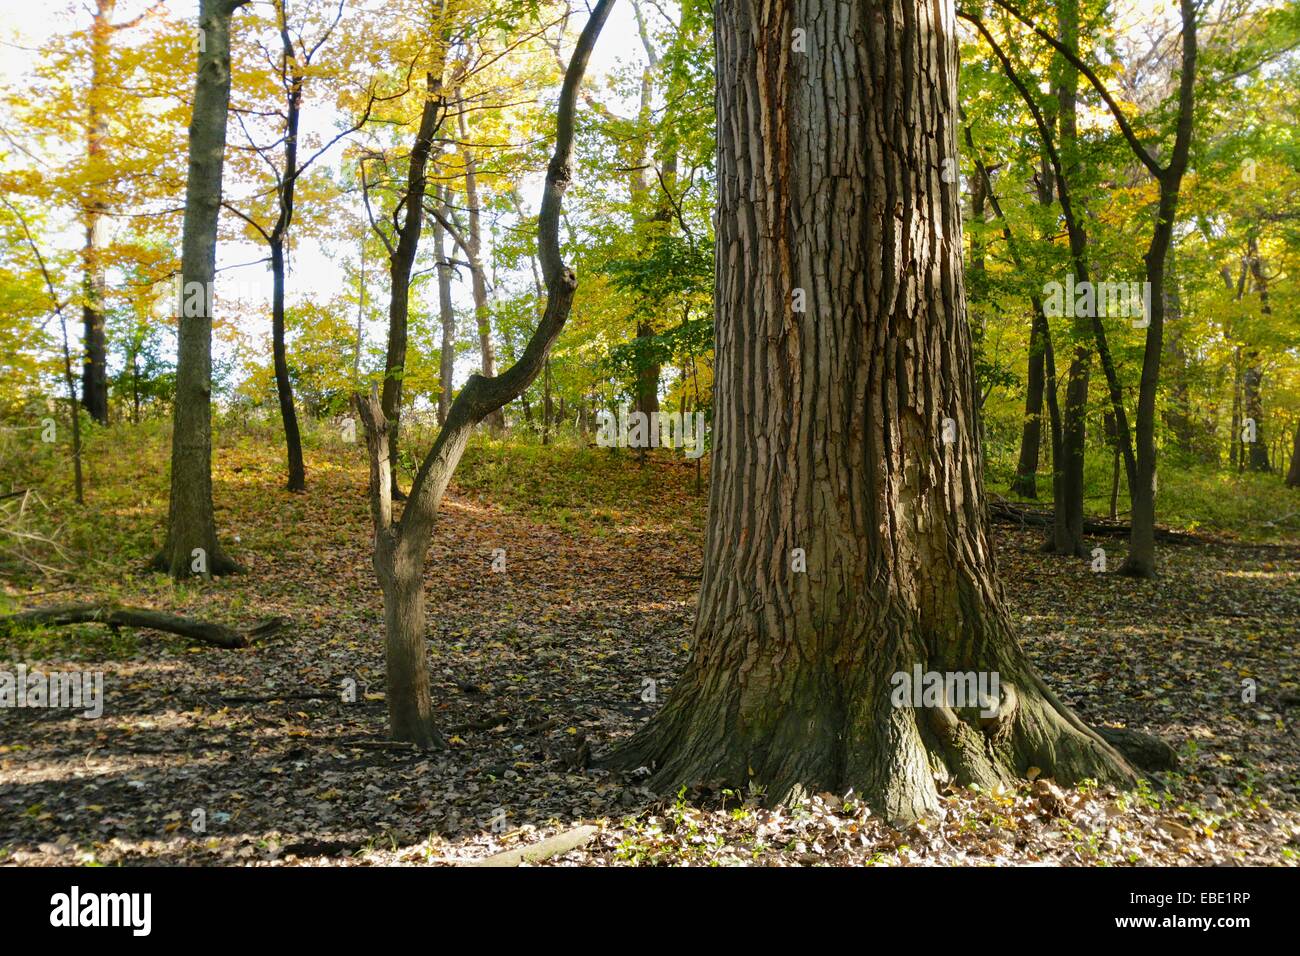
x=850 y=431
x=191 y=546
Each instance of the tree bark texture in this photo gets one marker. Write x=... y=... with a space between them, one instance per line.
x=850 y=431
x=191 y=524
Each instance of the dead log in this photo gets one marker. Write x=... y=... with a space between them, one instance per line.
x=556 y=845
x=1004 y=511
x=114 y=616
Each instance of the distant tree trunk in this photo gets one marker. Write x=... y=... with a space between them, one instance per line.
x=401 y=260
x=478 y=274
x=847 y=431
x=293 y=80
x=1178 y=410
x=1141 y=559
x=361 y=316
x=94 y=373
x=1257 y=459
x=647 y=378
x=191 y=546
x=1235 y=458
x=1112 y=436
x=1293 y=476
x=401 y=544
x=548 y=406
x=1042 y=364
x=1069 y=439
x=1068 y=483
x=646 y=397
x=297 y=480
x=1026 y=483
x=446 y=313
x=135 y=385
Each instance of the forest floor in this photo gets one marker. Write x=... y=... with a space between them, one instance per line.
x=560 y=653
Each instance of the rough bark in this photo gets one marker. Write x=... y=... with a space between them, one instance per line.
x=401 y=545
x=191 y=524
x=850 y=431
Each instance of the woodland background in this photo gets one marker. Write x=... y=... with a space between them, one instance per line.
x=584 y=632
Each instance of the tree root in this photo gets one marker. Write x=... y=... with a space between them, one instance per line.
x=1144 y=751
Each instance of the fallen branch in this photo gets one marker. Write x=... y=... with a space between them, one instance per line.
x=557 y=845
x=1002 y=510
x=115 y=617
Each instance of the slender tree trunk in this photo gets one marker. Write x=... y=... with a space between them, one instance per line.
x=1178 y=410
x=191 y=546
x=135 y=386
x=1042 y=364
x=1141 y=559
x=548 y=407
x=94 y=374
x=1256 y=452
x=74 y=414
x=1234 y=438
x=401 y=261
x=283 y=384
x=478 y=274
x=1026 y=484
x=1293 y=476
x=361 y=316
x=479 y=282
x=446 y=314
x=1257 y=459
x=292 y=78
x=401 y=544
x=1068 y=482
x=846 y=437
x=647 y=378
